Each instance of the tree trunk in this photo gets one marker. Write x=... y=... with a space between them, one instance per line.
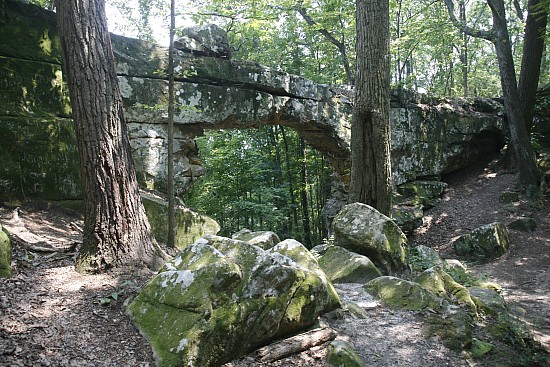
x=171 y=238
x=370 y=130
x=116 y=230
x=533 y=48
x=529 y=174
x=464 y=51
x=292 y=198
x=303 y=195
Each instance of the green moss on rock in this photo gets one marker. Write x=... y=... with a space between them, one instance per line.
x=483 y=243
x=403 y=294
x=5 y=254
x=344 y=266
x=426 y=193
x=340 y=354
x=362 y=229
x=220 y=298
x=190 y=226
x=453 y=326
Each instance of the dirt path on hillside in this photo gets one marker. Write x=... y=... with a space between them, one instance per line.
x=52 y=316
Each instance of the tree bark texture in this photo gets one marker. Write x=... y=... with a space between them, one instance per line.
x=116 y=230
x=529 y=174
x=533 y=48
x=370 y=130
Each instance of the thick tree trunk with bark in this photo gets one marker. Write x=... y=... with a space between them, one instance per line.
x=533 y=48
x=370 y=130
x=529 y=173
x=116 y=230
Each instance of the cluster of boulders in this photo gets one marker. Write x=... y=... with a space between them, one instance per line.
x=222 y=298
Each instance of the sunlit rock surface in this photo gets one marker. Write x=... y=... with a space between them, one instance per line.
x=221 y=298
x=364 y=230
x=38 y=150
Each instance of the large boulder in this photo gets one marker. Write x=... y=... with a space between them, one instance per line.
x=403 y=294
x=263 y=239
x=344 y=266
x=484 y=243
x=5 y=254
x=221 y=298
x=362 y=229
x=189 y=225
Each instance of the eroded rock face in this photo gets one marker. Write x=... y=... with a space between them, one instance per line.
x=429 y=136
x=484 y=243
x=364 y=230
x=220 y=298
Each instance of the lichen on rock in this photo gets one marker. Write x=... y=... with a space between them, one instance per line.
x=362 y=229
x=220 y=298
x=484 y=243
x=344 y=266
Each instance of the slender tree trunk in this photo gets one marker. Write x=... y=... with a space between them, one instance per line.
x=303 y=194
x=370 y=130
x=464 y=50
x=116 y=230
x=290 y=180
x=171 y=196
x=533 y=48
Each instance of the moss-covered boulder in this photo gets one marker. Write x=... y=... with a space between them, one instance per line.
x=190 y=225
x=364 y=230
x=423 y=257
x=403 y=294
x=484 y=243
x=263 y=239
x=408 y=217
x=221 y=298
x=437 y=281
x=523 y=224
x=344 y=266
x=341 y=354
x=426 y=193
x=454 y=326
x=488 y=300
x=5 y=254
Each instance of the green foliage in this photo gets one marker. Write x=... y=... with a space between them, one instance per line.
x=425 y=48
x=249 y=184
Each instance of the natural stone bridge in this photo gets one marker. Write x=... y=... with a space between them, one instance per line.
x=38 y=150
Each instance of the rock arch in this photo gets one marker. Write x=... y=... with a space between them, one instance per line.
x=39 y=154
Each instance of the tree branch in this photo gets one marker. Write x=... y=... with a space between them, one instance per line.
x=340 y=45
x=472 y=32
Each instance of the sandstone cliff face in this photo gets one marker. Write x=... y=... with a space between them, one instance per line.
x=38 y=150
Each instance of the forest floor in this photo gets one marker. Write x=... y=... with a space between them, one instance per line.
x=52 y=316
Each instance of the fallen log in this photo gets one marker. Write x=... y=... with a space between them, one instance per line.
x=295 y=344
